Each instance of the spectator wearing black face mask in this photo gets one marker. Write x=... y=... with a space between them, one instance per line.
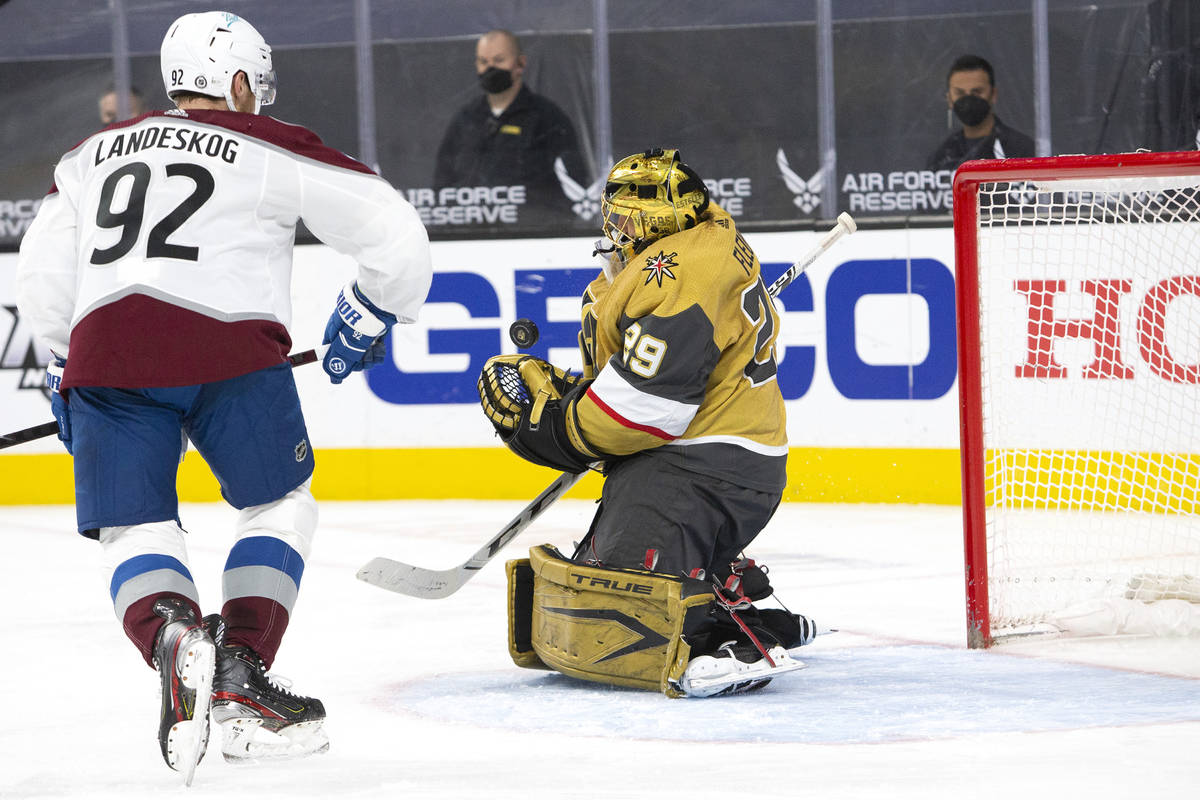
x=971 y=94
x=510 y=136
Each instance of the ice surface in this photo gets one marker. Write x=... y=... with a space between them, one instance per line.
x=424 y=702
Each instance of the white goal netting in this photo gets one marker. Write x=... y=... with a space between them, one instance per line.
x=1090 y=364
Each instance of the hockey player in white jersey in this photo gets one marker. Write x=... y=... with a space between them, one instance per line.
x=158 y=271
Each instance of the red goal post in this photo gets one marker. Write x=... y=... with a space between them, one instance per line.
x=1078 y=281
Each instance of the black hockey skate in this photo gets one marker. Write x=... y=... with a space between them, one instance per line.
x=259 y=717
x=185 y=657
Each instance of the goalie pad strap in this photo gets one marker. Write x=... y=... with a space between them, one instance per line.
x=621 y=627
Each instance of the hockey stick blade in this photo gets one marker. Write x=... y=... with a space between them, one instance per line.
x=433 y=584
x=51 y=428
x=396 y=576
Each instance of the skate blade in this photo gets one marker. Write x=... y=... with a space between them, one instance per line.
x=739 y=681
x=187 y=739
x=245 y=740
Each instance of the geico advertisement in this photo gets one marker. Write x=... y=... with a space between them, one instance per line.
x=1104 y=343
x=866 y=350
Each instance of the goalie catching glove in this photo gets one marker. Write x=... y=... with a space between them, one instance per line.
x=531 y=403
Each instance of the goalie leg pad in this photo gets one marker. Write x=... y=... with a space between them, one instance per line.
x=520 y=614
x=616 y=626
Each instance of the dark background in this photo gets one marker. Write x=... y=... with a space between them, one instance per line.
x=730 y=85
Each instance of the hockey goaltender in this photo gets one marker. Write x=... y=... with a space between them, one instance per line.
x=678 y=406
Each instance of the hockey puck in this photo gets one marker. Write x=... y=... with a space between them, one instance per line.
x=523 y=333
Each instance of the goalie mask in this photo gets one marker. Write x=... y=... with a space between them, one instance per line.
x=201 y=54
x=648 y=196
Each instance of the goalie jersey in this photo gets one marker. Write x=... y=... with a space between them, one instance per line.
x=162 y=255
x=681 y=346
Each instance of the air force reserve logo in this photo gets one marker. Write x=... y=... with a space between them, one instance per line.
x=659 y=267
x=585 y=202
x=807 y=192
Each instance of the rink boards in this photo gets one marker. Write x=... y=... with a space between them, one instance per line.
x=866 y=355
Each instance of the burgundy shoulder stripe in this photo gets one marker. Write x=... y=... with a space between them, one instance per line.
x=293 y=138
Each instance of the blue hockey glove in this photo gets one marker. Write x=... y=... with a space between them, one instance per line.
x=58 y=400
x=355 y=334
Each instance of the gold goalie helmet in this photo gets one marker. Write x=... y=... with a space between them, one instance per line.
x=648 y=196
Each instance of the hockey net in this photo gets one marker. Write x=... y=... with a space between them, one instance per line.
x=1079 y=346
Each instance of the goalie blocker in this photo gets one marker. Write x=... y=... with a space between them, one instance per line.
x=644 y=629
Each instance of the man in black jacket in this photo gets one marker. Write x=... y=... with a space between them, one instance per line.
x=510 y=136
x=971 y=94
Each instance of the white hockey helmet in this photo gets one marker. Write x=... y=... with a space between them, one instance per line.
x=202 y=52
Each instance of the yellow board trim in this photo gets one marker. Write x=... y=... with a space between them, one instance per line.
x=1093 y=480
x=818 y=475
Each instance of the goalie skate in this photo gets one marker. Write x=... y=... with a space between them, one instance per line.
x=735 y=670
x=185 y=657
x=260 y=717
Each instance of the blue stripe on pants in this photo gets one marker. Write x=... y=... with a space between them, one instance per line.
x=266 y=551
x=139 y=565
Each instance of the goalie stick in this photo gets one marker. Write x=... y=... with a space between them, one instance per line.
x=50 y=428
x=434 y=584
x=431 y=584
